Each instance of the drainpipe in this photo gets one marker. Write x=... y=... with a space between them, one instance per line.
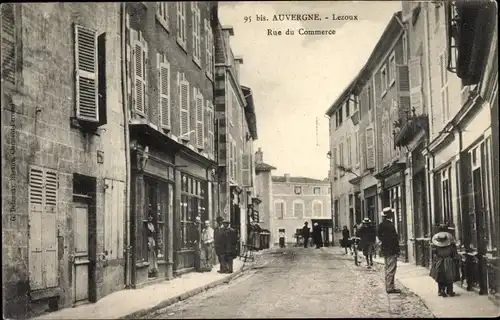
x=128 y=265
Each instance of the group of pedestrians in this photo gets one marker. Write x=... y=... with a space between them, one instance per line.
x=223 y=240
x=316 y=235
x=445 y=267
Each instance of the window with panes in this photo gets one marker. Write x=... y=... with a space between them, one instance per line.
x=193 y=204
x=443 y=196
x=445 y=107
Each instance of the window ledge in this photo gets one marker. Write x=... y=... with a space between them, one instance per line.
x=142 y=264
x=209 y=76
x=393 y=81
x=163 y=22
x=383 y=94
x=197 y=62
x=182 y=44
x=45 y=293
x=85 y=126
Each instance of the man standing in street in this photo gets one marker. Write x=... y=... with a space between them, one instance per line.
x=207 y=242
x=390 y=248
x=305 y=234
x=230 y=240
x=219 y=244
x=368 y=236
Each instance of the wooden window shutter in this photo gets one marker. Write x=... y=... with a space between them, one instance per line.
x=43 y=186
x=184 y=106
x=8 y=43
x=86 y=86
x=164 y=90
x=200 y=128
x=370 y=148
x=140 y=76
x=245 y=169
x=415 y=76
x=335 y=163
x=181 y=22
x=210 y=127
x=114 y=217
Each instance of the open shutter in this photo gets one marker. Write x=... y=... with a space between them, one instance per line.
x=200 y=129
x=8 y=43
x=43 y=228
x=210 y=125
x=86 y=74
x=245 y=170
x=335 y=163
x=184 y=105
x=415 y=77
x=139 y=77
x=403 y=80
x=164 y=89
x=370 y=148
x=356 y=147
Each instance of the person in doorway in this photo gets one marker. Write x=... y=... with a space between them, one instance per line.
x=198 y=254
x=368 y=236
x=318 y=241
x=207 y=242
x=345 y=242
x=306 y=234
x=153 y=264
x=230 y=243
x=390 y=248
x=282 y=238
x=219 y=244
x=445 y=261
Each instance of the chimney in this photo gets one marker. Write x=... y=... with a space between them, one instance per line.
x=259 y=156
x=287 y=177
x=237 y=62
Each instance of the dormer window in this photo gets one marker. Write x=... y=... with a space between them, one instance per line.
x=298 y=190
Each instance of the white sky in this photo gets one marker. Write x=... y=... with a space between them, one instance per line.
x=296 y=78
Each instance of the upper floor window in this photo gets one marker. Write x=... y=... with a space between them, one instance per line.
x=183 y=87
x=196 y=18
x=209 y=49
x=405 y=48
x=392 y=69
x=347 y=108
x=297 y=190
x=298 y=209
x=349 y=151
x=181 y=24
x=437 y=13
x=317 y=208
x=279 y=209
x=163 y=66
x=200 y=115
x=341 y=114
x=162 y=14
x=445 y=107
x=383 y=81
x=317 y=190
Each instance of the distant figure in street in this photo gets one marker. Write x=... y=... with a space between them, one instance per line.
x=219 y=243
x=345 y=242
x=198 y=254
x=306 y=234
x=318 y=241
x=368 y=236
x=282 y=239
x=207 y=242
x=230 y=240
x=390 y=248
x=445 y=261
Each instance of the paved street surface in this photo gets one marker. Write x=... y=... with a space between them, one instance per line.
x=299 y=282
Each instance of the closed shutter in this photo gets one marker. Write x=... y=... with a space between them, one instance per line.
x=403 y=80
x=164 y=90
x=181 y=22
x=370 y=148
x=278 y=210
x=210 y=124
x=356 y=147
x=114 y=200
x=209 y=44
x=8 y=43
x=361 y=150
x=385 y=141
x=140 y=63
x=43 y=228
x=200 y=128
x=230 y=156
x=245 y=169
x=86 y=74
x=415 y=70
x=349 y=151
x=184 y=106
x=335 y=163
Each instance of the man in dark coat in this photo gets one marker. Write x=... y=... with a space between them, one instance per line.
x=368 y=235
x=230 y=240
x=306 y=234
x=219 y=244
x=390 y=248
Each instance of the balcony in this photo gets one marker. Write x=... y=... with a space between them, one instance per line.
x=403 y=133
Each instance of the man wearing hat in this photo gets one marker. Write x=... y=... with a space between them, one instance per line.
x=368 y=236
x=230 y=243
x=445 y=262
x=219 y=244
x=390 y=248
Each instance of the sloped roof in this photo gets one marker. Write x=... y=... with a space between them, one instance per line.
x=297 y=179
x=264 y=167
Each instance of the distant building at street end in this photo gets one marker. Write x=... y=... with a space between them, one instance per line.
x=297 y=200
x=263 y=192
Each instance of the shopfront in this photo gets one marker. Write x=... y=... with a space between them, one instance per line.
x=370 y=204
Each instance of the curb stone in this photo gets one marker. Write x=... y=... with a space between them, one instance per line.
x=170 y=301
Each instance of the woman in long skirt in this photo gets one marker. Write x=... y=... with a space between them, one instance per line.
x=345 y=242
x=445 y=263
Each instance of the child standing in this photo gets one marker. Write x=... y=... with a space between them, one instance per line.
x=444 y=269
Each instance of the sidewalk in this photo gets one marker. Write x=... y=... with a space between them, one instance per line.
x=135 y=303
x=465 y=305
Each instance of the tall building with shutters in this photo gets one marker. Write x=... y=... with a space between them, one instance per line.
x=236 y=131
x=63 y=189
x=461 y=50
x=377 y=100
x=169 y=95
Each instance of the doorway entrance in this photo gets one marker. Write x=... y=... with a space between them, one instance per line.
x=81 y=257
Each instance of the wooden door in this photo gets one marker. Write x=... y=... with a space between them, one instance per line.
x=81 y=261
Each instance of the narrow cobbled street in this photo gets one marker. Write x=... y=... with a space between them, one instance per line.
x=300 y=282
